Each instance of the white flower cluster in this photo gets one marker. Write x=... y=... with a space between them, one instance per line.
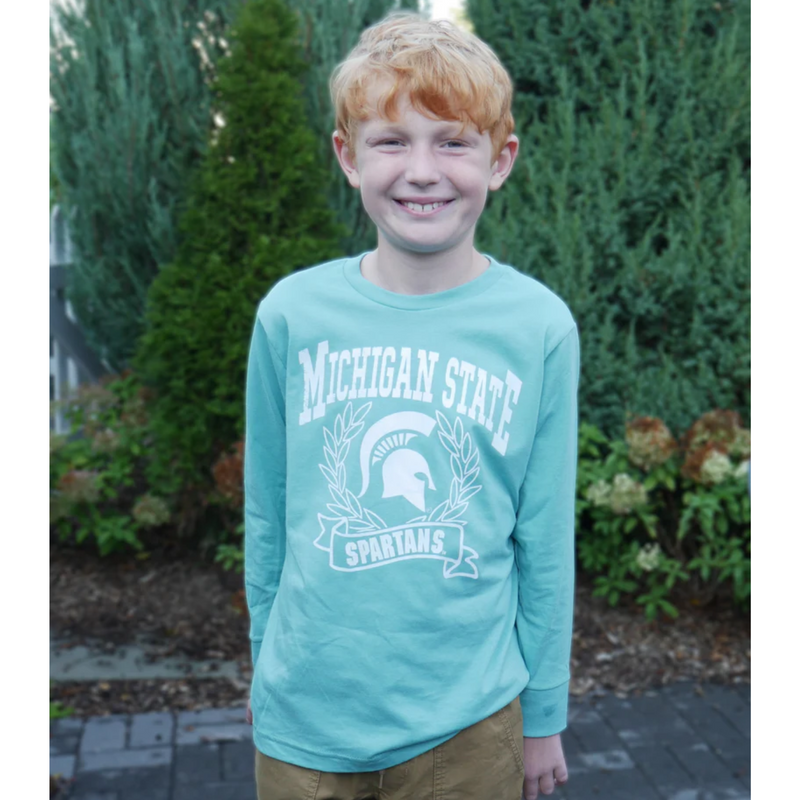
x=716 y=468
x=648 y=557
x=599 y=493
x=151 y=511
x=621 y=497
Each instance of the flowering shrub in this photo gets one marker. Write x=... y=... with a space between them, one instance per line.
x=97 y=485
x=649 y=441
x=657 y=519
x=228 y=474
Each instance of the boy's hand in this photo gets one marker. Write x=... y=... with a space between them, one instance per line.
x=545 y=766
x=248 y=715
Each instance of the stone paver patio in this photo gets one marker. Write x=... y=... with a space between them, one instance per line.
x=676 y=743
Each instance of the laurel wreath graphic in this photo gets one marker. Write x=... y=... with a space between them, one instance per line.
x=464 y=463
x=337 y=445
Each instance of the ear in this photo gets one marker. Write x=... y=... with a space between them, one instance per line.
x=502 y=167
x=347 y=160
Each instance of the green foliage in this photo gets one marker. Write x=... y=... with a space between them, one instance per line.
x=329 y=33
x=98 y=490
x=256 y=213
x=59 y=711
x=228 y=500
x=662 y=532
x=231 y=554
x=631 y=194
x=131 y=119
x=54 y=187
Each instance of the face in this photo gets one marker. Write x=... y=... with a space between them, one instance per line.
x=423 y=181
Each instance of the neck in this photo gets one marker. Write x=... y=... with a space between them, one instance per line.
x=422 y=273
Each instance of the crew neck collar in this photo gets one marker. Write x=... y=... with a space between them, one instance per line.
x=418 y=302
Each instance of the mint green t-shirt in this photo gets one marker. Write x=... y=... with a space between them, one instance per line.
x=409 y=513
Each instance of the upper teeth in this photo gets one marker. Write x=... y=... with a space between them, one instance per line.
x=419 y=207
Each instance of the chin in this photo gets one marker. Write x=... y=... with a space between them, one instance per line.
x=421 y=247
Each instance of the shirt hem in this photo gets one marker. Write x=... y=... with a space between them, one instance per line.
x=292 y=754
x=312 y=759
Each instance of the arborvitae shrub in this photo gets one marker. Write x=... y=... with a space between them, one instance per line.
x=257 y=212
x=631 y=194
x=130 y=123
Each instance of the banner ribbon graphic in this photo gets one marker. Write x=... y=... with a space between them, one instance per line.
x=352 y=551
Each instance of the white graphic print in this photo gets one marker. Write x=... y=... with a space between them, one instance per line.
x=400 y=466
x=355 y=537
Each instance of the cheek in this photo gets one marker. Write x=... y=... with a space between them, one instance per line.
x=475 y=189
x=478 y=181
x=377 y=185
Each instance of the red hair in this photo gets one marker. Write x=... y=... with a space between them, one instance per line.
x=447 y=73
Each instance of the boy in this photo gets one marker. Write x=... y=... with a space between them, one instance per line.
x=410 y=462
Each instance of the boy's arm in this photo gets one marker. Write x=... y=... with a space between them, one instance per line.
x=264 y=482
x=544 y=545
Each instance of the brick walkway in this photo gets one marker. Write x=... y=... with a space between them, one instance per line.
x=673 y=744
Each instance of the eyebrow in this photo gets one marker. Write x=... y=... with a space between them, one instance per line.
x=452 y=129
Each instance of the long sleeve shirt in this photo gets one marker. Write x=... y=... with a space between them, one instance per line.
x=409 y=513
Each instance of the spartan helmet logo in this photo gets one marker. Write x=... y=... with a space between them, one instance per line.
x=385 y=441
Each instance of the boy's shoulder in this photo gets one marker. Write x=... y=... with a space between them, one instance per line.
x=532 y=289
x=298 y=284
x=536 y=304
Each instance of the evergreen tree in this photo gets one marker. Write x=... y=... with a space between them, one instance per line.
x=256 y=213
x=54 y=187
x=131 y=119
x=329 y=33
x=631 y=194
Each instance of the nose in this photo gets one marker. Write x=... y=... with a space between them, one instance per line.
x=421 y=167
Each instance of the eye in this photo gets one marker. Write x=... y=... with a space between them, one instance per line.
x=389 y=142
x=455 y=143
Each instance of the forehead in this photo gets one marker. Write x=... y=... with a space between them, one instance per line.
x=406 y=115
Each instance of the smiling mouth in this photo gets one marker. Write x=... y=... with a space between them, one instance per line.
x=423 y=208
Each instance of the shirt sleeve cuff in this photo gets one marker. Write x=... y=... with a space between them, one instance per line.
x=544 y=711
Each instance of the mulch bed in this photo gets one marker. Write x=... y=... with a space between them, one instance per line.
x=185 y=606
x=100 y=698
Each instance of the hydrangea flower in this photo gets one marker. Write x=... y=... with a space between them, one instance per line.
x=151 y=511
x=649 y=556
x=599 y=493
x=716 y=468
x=722 y=428
x=622 y=496
x=626 y=494
x=649 y=441
x=79 y=486
x=740 y=448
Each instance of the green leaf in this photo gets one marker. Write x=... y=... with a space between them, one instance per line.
x=667 y=607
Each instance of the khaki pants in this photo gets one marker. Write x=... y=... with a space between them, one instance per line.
x=482 y=762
